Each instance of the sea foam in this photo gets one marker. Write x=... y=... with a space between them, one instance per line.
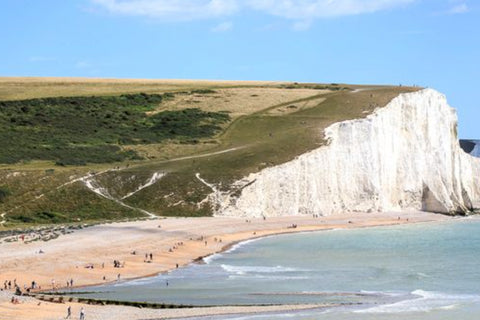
x=424 y=301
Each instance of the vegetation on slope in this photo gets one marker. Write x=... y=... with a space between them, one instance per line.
x=262 y=140
x=4 y=192
x=258 y=137
x=78 y=130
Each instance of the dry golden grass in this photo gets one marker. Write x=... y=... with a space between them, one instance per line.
x=239 y=101
x=296 y=106
x=17 y=88
x=171 y=149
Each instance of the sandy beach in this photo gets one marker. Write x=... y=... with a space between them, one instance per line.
x=87 y=257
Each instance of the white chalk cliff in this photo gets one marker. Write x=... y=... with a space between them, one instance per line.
x=404 y=156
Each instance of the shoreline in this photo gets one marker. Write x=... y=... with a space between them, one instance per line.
x=226 y=249
x=192 y=240
x=229 y=246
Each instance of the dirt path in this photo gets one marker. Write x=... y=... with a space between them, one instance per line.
x=93 y=186
x=89 y=175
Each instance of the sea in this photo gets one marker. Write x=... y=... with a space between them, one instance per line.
x=427 y=271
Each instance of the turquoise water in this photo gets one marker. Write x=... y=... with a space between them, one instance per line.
x=425 y=271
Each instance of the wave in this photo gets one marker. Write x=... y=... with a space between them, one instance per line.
x=210 y=258
x=137 y=282
x=233 y=248
x=424 y=301
x=242 y=270
x=379 y=294
x=268 y=316
x=418 y=276
x=266 y=277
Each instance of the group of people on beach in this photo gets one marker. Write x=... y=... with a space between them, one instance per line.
x=176 y=245
x=69 y=313
x=7 y=285
x=118 y=264
x=70 y=283
x=14 y=300
x=148 y=257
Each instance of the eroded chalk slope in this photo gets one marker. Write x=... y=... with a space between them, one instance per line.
x=403 y=156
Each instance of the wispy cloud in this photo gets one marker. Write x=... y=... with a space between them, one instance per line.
x=177 y=10
x=314 y=9
x=223 y=27
x=454 y=7
x=458 y=9
x=301 y=11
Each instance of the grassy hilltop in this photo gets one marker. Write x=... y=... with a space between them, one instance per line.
x=142 y=142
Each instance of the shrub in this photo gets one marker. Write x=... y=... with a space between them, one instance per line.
x=81 y=130
x=4 y=192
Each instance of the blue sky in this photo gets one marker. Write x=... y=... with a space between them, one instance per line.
x=434 y=43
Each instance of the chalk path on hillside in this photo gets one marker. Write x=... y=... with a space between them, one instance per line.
x=87 y=178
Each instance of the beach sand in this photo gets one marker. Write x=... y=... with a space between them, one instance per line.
x=171 y=241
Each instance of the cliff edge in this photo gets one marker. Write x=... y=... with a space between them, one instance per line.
x=405 y=156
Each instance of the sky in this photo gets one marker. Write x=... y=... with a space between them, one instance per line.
x=430 y=43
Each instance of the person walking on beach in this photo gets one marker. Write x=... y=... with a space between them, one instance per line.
x=82 y=314
x=69 y=312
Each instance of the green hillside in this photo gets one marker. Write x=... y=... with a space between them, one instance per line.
x=120 y=153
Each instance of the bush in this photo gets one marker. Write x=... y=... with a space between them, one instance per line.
x=203 y=91
x=4 y=192
x=81 y=130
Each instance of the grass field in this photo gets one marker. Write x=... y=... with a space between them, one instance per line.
x=19 y=88
x=267 y=124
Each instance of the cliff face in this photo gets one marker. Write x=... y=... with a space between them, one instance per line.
x=403 y=156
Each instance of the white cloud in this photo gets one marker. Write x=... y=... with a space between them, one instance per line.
x=459 y=8
x=177 y=10
x=312 y=9
x=223 y=27
x=455 y=7
x=301 y=10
